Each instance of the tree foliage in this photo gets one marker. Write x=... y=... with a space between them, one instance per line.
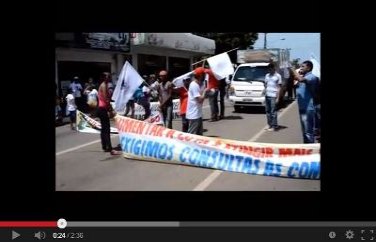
x=295 y=63
x=228 y=41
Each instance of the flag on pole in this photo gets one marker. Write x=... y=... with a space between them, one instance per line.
x=221 y=66
x=178 y=81
x=129 y=80
x=316 y=66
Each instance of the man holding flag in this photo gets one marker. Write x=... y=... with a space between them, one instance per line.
x=220 y=68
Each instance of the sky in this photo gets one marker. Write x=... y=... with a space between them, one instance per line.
x=301 y=44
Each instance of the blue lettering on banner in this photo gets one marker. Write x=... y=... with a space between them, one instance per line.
x=238 y=161
x=137 y=147
x=304 y=170
x=152 y=148
x=147 y=148
x=213 y=156
x=170 y=152
x=247 y=165
x=162 y=152
x=314 y=170
x=183 y=156
x=204 y=157
x=126 y=143
x=193 y=156
x=230 y=162
x=272 y=169
x=256 y=166
x=278 y=168
x=268 y=171
x=144 y=145
x=294 y=166
x=224 y=162
x=218 y=160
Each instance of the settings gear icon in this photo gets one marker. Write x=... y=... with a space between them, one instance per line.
x=349 y=234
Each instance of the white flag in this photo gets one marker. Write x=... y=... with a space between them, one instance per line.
x=178 y=81
x=221 y=66
x=129 y=80
x=316 y=67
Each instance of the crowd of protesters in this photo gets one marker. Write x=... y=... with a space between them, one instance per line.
x=95 y=100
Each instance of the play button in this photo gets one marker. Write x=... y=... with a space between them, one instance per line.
x=15 y=235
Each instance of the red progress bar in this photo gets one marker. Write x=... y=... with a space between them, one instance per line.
x=20 y=224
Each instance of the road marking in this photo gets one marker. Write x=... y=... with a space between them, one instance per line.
x=77 y=147
x=208 y=180
x=215 y=174
x=256 y=136
x=81 y=146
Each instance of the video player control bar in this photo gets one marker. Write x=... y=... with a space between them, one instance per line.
x=220 y=224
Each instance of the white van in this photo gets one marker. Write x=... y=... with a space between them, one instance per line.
x=247 y=85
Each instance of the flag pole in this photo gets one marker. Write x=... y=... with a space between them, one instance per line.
x=209 y=57
x=145 y=82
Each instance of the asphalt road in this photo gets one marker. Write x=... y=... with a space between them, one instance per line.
x=81 y=165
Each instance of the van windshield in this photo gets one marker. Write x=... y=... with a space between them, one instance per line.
x=247 y=73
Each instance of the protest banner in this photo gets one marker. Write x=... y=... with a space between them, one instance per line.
x=145 y=141
x=85 y=124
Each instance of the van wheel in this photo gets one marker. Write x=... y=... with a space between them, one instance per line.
x=237 y=109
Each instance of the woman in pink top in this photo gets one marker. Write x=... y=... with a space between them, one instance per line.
x=104 y=107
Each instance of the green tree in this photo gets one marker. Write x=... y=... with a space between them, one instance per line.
x=227 y=41
x=295 y=63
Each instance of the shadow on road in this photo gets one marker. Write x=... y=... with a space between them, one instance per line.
x=232 y=117
x=250 y=110
x=280 y=127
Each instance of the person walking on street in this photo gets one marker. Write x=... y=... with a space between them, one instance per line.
x=76 y=88
x=71 y=108
x=273 y=82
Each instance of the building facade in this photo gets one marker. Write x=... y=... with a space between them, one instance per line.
x=86 y=55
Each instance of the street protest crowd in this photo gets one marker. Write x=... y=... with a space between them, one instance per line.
x=192 y=89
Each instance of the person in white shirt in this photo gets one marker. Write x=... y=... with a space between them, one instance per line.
x=273 y=82
x=196 y=96
x=71 y=109
x=76 y=91
x=92 y=100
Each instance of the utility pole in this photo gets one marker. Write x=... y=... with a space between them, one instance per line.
x=265 y=41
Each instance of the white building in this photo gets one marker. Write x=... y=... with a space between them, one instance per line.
x=147 y=52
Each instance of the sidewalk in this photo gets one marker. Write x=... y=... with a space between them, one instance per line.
x=290 y=131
